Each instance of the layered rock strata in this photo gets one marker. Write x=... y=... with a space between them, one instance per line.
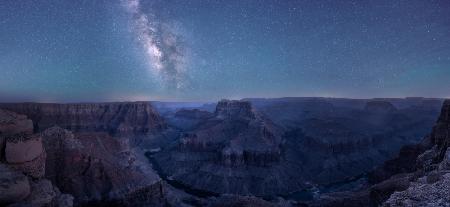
x=121 y=118
x=23 y=167
x=235 y=151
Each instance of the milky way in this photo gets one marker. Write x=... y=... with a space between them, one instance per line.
x=108 y=50
x=164 y=48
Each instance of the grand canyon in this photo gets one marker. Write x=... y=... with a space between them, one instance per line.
x=249 y=152
x=224 y=103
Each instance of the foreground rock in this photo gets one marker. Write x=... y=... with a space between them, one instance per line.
x=420 y=176
x=21 y=182
x=26 y=153
x=430 y=186
x=14 y=186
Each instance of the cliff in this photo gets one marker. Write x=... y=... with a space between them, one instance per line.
x=122 y=118
x=22 y=166
x=418 y=176
x=234 y=151
x=92 y=166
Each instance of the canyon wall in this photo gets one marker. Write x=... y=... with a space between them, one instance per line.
x=121 y=118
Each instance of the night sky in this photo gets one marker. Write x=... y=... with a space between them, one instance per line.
x=117 y=50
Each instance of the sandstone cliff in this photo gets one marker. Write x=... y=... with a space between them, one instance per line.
x=94 y=167
x=122 y=118
x=22 y=166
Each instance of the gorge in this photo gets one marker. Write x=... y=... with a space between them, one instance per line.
x=274 y=152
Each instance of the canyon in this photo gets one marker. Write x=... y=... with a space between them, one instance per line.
x=249 y=152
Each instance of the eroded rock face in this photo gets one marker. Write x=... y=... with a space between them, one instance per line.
x=431 y=186
x=231 y=152
x=26 y=153
x=419 y=176
x=43 y=193
x=422 y=194
x=12 y=123
x=122 y=118
x=22 y=151
x=94 y=168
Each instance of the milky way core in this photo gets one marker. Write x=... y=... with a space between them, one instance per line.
x=164 y=48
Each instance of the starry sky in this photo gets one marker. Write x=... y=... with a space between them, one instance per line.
x=201 y=50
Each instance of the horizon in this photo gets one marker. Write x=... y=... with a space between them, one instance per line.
x=215 y=101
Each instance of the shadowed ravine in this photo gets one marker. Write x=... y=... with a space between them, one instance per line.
x=176 y=184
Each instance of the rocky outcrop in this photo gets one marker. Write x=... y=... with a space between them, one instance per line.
x=231 y=152
x=12 y=123
x=430 y=184
x=21 y=150
x=334 y=140
x=21 y=182
x=240 y=135
x=26 y=153
x=44 y=193
x=419 y=176
x=231 y=109
x=122 y=118
x=96 y=169
x=14 y=186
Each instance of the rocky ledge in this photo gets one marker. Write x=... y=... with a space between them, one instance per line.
x=121 y=118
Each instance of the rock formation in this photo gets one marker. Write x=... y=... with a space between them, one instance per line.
x=430 y=179
x=419 y=176
x=92 y=166
x=231 y=152
x=14 y=185
x=122 y=118
x=95 y=168
x=26 y=153
x=23 y=167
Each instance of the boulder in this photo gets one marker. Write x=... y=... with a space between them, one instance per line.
x=14 y=185
x=20 y=149
x=26 y=153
